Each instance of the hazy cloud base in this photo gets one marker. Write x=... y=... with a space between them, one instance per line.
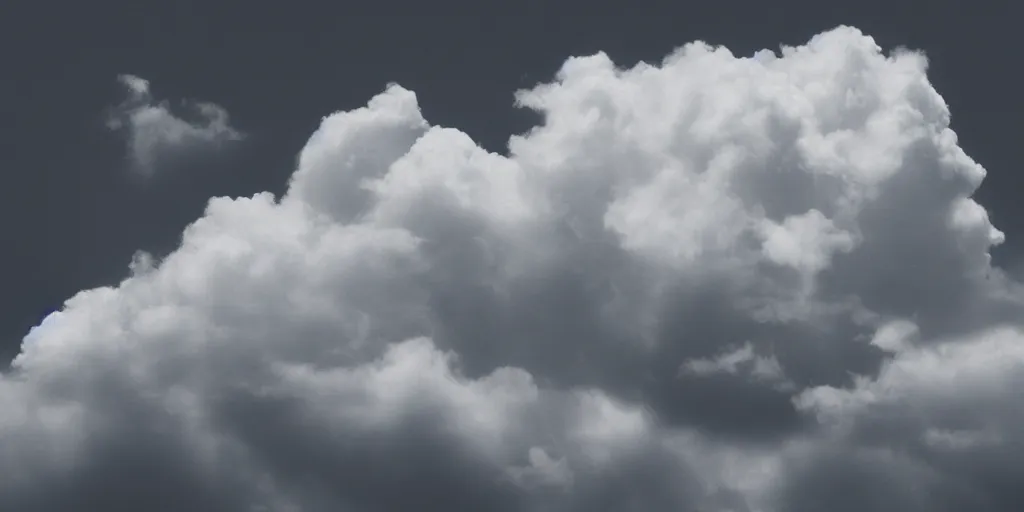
x=719 y=283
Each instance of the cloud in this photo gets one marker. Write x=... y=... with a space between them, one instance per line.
x=742 y=359
x=155 y=133
x=716 y=283
x=943 y=418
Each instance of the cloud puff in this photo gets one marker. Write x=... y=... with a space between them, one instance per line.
x=155 y=133
x=717 y=283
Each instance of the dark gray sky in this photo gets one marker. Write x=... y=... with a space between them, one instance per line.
x=660 y=298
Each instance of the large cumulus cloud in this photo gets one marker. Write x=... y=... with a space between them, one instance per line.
x=718 y=283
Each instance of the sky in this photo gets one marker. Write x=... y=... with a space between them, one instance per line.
x=538 y=259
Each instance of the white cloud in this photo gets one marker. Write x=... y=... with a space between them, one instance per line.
x=155 y=133
x=950 y=409
x=417 y=320
x=740 y=360
x=895 y=336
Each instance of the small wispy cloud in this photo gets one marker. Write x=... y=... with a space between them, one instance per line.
x=154 y=131
x=740 y=361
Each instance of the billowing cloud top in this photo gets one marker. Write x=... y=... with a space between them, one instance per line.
x=154 y=133
x=719 y=283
